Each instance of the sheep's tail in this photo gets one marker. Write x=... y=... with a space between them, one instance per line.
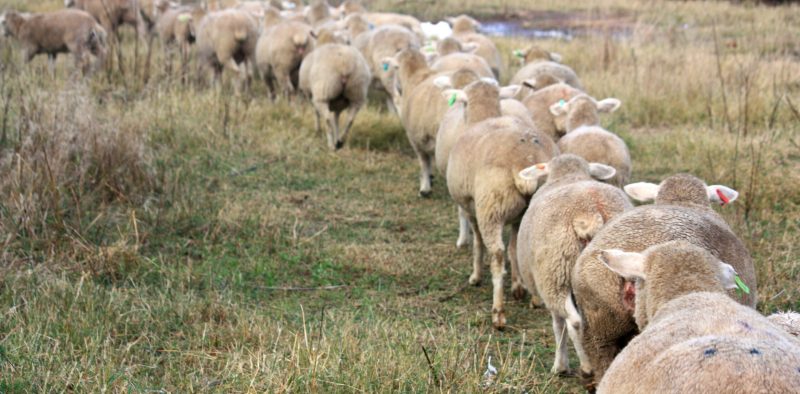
x=240 y=35
x=587 y=224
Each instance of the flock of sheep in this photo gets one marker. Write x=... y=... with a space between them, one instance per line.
x=666 y=289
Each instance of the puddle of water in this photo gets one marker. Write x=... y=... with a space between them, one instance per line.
x=519 y=28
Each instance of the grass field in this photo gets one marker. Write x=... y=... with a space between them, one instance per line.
x=166 y=237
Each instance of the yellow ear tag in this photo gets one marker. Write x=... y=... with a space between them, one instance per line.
x=184 y=18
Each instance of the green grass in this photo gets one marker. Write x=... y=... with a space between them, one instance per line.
x=187 y=268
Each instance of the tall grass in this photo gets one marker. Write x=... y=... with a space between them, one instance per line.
x=160 y=236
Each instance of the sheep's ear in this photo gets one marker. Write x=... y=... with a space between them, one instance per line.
x=313 y=34
x=601 y=171
x=388 y=62
x=443 y=82
x=529 y=83
x=642 y=191
x=608 y=105
x=559 y=108
x=454 y=96
x=629 y=265
x=727 y=275
x=450 y=20
x=509 y=91
x=721 y=194
x=535 y=171
x=555 y=57
x=490 y=80
x=469 y=47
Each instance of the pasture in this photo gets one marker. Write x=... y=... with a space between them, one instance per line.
x=160 y=235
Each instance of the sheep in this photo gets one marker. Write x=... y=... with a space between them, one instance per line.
x=465 y=30
x=539 y=103
x=356 y=25
x=454 y=56
x=681 y=212
x=694 y=338
x=421 y=108
x=51 y=33
x=483 y=177
x=227 y=39
x=279 y=52
x=538 y=62
x=318 y=13
x=388 y=18
x=587 y=139
x=562 y=217
x=179 y=26
x=378 y=44
x=452 y=125
x=257 y=9
x=335 y=77
x=111 y=14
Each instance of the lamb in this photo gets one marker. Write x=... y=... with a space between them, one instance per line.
x=336 y=78
x=279 y=52
x=227 y=39
x=539 y=103
x=62 y=31
x=452 y=126
x=465 y=30
x=454 y=56
x=694 y=338
x=681 y=212
x=112 y=13
x=562 y=217
x=421 y=108
x=483 y=177
x=538 y=62
x=586 y=138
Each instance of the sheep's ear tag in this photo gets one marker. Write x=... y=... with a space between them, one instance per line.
x=451 y=100
x=184 y=17
x=371 y=26
x=741 y=287
x=385 y=66
x=563 y=102
x=518 y=53
x=726 y=200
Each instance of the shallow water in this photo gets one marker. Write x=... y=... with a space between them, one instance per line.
x=518 y=28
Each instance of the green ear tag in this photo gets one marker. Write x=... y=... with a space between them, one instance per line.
x=518 y=53
x=451 y=100
x=385 y=66
x=740 y=284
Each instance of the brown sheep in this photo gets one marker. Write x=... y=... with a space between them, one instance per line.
x=227 y=39
x=179 y=26
x=483 y=177
x=62 y=31
x=335 y=77
x=681 y=212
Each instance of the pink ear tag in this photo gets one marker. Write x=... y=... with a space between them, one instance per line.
x=722 y=197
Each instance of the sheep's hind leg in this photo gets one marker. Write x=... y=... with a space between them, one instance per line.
x=492 y=234
x=463 y=229
x=517 y=290
x=477 y=253
x=561 y=362
x=351 y=111
x=425 y=173
x=575 y=330
x=325 y=113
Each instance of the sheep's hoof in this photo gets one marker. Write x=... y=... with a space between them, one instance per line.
x=499 y=320
x=339 y=145
x=474 y=280
x=425 y=193
x=462 y=242
x=564 y=373
x=517 y=291
x=536 y=301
